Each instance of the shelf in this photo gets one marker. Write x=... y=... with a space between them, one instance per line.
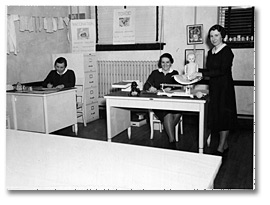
x=241 y=44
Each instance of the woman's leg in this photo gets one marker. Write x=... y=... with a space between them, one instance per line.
x=170 y=121
x=223 y=144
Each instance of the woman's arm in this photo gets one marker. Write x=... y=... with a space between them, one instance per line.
x=70 y=80
x=48 y=79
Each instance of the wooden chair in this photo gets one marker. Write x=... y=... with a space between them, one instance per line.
x=80 y=103
x=154 y=119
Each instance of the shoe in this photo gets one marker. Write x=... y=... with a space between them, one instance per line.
x=173 y=146
x=222 y=154
x=218 y=153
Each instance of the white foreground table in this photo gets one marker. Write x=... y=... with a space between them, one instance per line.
x=36 y=161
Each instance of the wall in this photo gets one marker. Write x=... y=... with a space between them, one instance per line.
x=175 y=21
x=33 y=61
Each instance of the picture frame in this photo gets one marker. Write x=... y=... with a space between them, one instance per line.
x=199 y=53
x=195 y=34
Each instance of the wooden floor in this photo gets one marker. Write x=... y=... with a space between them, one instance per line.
x=236 y=171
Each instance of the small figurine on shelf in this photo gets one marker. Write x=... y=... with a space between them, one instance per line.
x=135 y=91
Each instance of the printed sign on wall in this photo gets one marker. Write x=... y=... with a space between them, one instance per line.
x=124 y=26
x=83 y=36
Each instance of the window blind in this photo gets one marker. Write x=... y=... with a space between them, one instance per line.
x=238 y=21
x=146 y=23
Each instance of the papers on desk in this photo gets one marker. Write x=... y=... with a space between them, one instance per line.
x=41 y=90
x=122 y=84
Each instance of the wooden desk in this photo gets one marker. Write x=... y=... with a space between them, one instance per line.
x=42 y=112
x=47 y=162
x=118 y=117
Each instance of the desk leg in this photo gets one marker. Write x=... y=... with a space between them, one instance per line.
x=109 y=126
x=75 y=128
x=202 y=123
x=129 y=132
x=118 y=120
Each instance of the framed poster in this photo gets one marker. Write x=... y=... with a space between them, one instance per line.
x=195 y=34
x=199 y=54
x=83 y=35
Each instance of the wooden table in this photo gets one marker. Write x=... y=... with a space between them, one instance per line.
x=43 y=112
x=36 y=161
x=118 y=116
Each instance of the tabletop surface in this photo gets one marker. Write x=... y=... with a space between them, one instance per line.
x=39 y=91
x=47 y=162
x=144 y=94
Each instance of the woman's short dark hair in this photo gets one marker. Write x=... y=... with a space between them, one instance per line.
x=61 y=60
x=219 y=28
x=165 y=55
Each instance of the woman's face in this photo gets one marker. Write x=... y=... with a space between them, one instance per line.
x=165 y=63
x=60 y=67
x=215 y=38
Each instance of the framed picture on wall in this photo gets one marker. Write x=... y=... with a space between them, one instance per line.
x=195 y=34
x=199 y=54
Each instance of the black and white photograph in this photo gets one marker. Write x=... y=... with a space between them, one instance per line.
x=94 y=115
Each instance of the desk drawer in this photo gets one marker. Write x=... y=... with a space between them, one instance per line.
x=90 y=63
x=92 y=112
x=91 y=95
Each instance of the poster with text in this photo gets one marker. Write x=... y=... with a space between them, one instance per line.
x=124 y=26
x=83 y=36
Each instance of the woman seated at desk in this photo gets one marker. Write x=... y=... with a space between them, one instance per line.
x=60 y=77
x=153 y=84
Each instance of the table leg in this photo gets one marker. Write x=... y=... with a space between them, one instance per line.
x=75 y=128
x=129 y=132
x=201 y=128
x=109 y=129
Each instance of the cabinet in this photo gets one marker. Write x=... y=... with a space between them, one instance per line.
x=86 y=72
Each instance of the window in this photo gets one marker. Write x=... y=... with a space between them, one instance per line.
x=239 y=25
x=147 y=28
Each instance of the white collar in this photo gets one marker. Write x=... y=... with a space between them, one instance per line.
x=170 y=70
x=214 y=50
x=63 y=72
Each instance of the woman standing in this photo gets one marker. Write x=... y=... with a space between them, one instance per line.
x=222 y=105
x=153 y=84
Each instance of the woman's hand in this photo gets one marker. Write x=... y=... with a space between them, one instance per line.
x=60 y=86
x=167 y=89
x=49 y=85
x=152 y=89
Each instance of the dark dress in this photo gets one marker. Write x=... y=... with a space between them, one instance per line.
x=222 y=105
x=155 y=79
x=67 y=79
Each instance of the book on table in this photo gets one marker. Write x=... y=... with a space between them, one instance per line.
x=122 y=84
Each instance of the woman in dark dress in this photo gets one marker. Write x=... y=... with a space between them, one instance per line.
x=222 y=105
x=60 y=77
x=153 y=84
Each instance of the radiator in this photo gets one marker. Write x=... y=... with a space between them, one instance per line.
x=110 y=72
